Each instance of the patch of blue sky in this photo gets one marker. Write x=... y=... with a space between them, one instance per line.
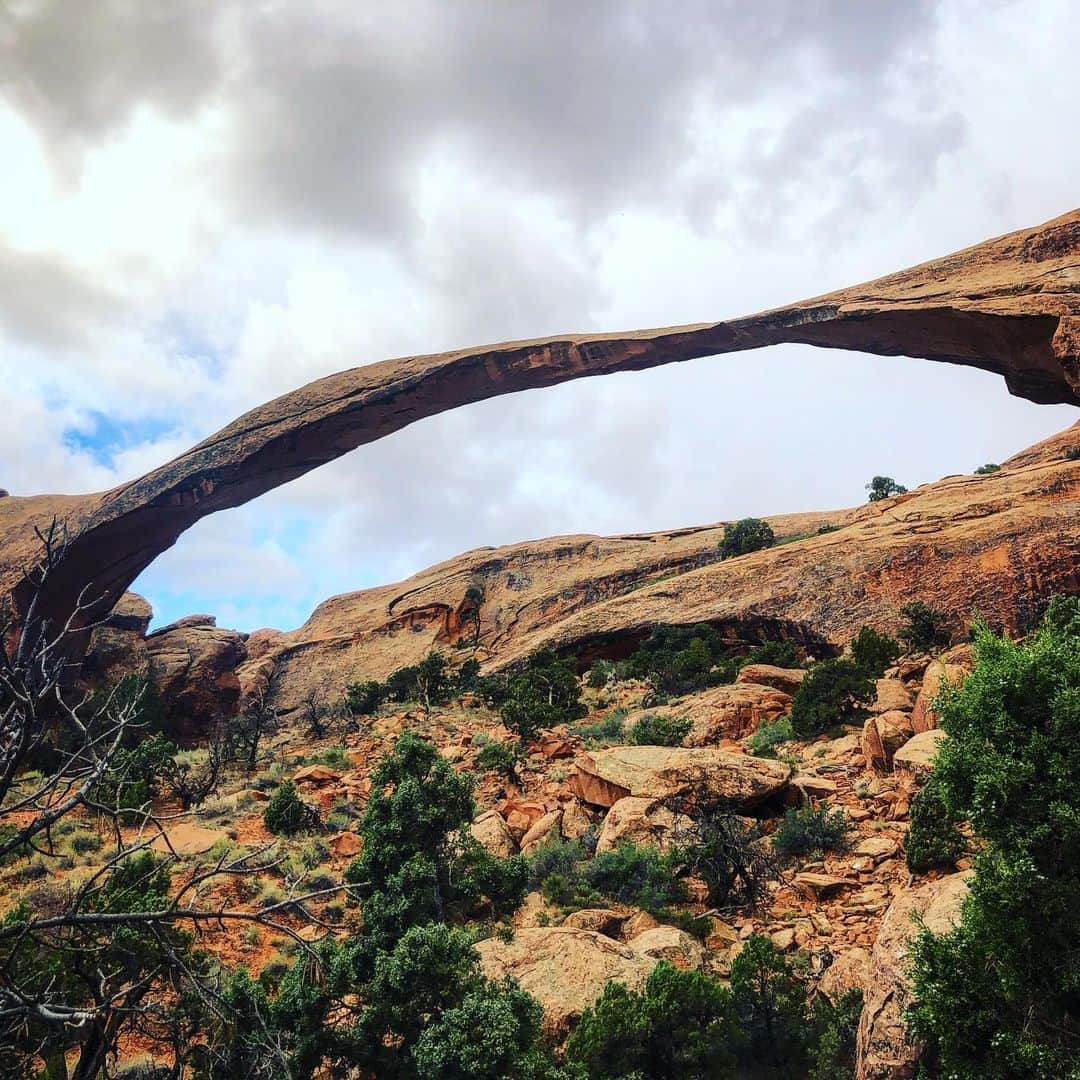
x=103 y=437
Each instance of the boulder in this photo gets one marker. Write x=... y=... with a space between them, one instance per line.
x=883 y=1049
x=575 y=821
x=917 y=754
x=787 y=680
x=564 y=968
x=892 y=695
x=345 y=845
x=671 y=944
x=193 y=663
x=938 y=675
x=606 y=921
x=848 y=971
x=316 y=775
x=117 y=644
x=546 y=828
x=491 y=832
x=882 y=736
x=639 y=821
x=658 y=772
x=821 y=886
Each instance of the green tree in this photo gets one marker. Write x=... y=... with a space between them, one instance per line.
x=924 y=628
x=286 y=814
x=745 y=536
x=999 y=996
x=873 y=652
x=884 y=487
x=831 y=694
x=680 y=1024
x=653 y=730
x=986 y=470
x=419 y=864
x=546 y=693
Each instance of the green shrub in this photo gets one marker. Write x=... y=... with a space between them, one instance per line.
x=986 y=470
x=287 y=814
x=609 y=729
x=933 y=840
x=745 y=536
x=499 y=758
x=1073 y=453
x=884 y=487
x=811 y=828
x=636 y=875
x=546 y=693
x=364 y=698
x=653 y=730
x=872 y=652
x=680 y=1024
x=681 y=659
x=725 y=852
x=82 y=843
x=924 y=628
x=999 y=995
x=689 y=1025
x=831 y=694
x=337 y=757
x=600 y=674
x=784 y=654
x=768 y=736
x=419 y=863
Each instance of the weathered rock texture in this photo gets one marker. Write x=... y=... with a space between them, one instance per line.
x=1010 y=305
x=884 y=1050
x=997 y=544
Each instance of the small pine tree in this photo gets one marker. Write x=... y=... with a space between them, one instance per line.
x=884 y=487
x=745 y=536
x=286 y=814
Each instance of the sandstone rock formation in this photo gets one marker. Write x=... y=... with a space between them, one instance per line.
x=884 y=1049
x=657 y=772
x=999 y=543
x=193 y=663
x=564 y=968
x=1010 y=305
x=724 y=712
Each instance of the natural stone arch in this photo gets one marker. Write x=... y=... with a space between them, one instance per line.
x=1009 y=306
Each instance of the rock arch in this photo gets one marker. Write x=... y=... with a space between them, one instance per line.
x=1009 y=305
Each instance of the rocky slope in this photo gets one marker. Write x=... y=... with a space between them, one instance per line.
x=998 y=545
x=1010 y=305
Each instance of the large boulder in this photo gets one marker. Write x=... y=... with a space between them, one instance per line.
x=917 y=754
x=117 y=644
x=884 y=1049
x=565 y=968
x=193 y=663
x=882 y=737
x=723 y=712
x=659 y=772
x=491 y=832
x=786 y=679
x=891 y=695
x=938 y=676
x=639 y=821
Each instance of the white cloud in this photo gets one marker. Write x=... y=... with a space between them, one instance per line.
x=208 y=205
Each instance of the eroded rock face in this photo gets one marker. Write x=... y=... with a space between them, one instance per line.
x=659 y=772
x=640 y=821
x=961 y=544
x=565 y=968
x=1010 y=305
x=884 y=1050
x=117 y=645
x=193 y=663
x=728 y=712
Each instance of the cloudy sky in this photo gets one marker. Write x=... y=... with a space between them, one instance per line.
x=204 y=204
